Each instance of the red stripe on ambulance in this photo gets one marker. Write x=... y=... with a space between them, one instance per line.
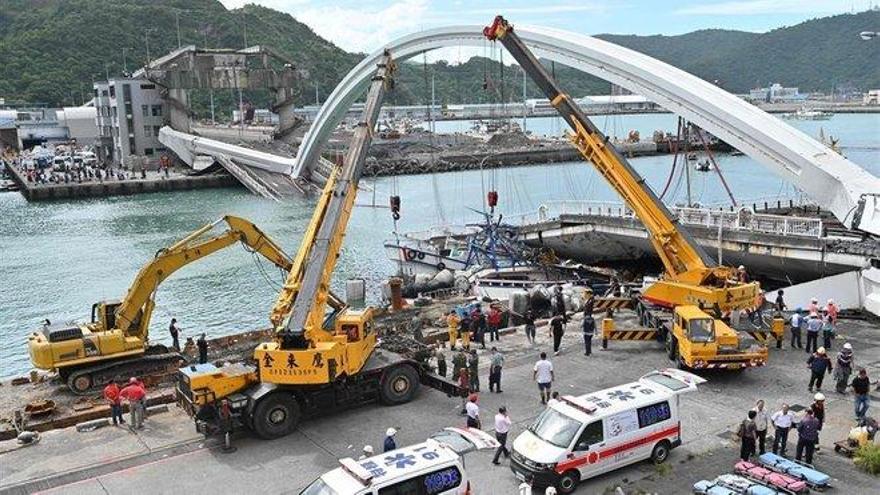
x=593 y=457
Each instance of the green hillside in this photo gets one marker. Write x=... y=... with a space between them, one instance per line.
x=51 y=51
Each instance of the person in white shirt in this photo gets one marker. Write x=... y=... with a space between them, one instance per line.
x=782 y=422
x=543 y=374
x=761 y=418
x=502 y=428
x=473 y=412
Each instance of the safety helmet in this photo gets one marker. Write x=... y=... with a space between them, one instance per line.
x=815 y=300
x=368 y=449
x=819 y=396
x=132 y=380
x=847 y=346
x=820 y=350
x=741 y=267
x=831 y=301
x=390 y=432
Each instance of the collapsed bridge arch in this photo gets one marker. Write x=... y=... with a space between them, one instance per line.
x=850 y=192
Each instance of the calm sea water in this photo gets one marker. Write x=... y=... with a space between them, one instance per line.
x=58 y=258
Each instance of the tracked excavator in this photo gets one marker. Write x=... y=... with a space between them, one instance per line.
x=678 y=305
x=116 y=340
x=319 y=361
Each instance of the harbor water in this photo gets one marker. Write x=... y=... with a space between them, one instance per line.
x=58 y=258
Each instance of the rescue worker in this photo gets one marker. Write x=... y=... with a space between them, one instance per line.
x=478 y=327
x=559 y=304
x=808 y=436
x=493 y=321
x=832 y=311
x=389 y=443
x=814 y=306
x=818 y=408
x=530 y=326
x=761 y=420
x=202 y=344
x=175 y=334
x=441 y=361
x=473 y=364
x=797 y=321
x=742 y=275
x=473 y=412
x=747 y=434
x=779 y=305
x=495 y=365
x=502 y=428
x=415 y=328
x=366 y=452
x=827 y=331
x=757 y=315
x=844 y=368
x=814 y=324
x=589 y=328
x=135 y=393
x=452 y=321
x=464 y=382
x=111 y=394
x=459 y=361
x=819 y=364
x=860 y=385
x=782 y=421
x=557 y=330
x=464 y=331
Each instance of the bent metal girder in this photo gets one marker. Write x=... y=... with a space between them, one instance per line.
x=836 y=184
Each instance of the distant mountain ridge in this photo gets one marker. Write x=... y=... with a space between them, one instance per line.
x=51 y=50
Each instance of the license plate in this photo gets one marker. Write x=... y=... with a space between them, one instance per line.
x=734 y=366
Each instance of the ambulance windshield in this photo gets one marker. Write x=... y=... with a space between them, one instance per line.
x=555 y=427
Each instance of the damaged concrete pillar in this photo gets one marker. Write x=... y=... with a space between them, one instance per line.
x=178 y=109
x=287 y=119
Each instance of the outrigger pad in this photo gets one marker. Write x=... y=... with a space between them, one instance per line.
x=809 y=475
x=773 y=478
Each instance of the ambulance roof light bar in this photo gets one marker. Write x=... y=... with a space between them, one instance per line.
x=578 y=404
x=351 y=467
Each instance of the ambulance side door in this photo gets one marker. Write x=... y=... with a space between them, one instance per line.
x=589 y=445
x=621 y=433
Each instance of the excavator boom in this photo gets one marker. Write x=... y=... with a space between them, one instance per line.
x=692 y=277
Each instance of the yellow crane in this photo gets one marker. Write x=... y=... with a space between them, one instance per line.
x=116 y=340
x=317 y=362
x=692 y=281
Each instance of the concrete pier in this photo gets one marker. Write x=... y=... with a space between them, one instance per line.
x=113 y=187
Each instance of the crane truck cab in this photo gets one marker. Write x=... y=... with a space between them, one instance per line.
x=434 y=467
x=582 y=436
x=699 y=341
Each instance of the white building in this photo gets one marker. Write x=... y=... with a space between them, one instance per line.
x=872 y=97
x=776 y=93
x=130 y=113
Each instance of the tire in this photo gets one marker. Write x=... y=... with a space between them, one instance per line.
x=660 y=452
x=671 y=346
x=569 y=481
x=421 y=255
x=276 y=415
x=441 y=266
x=399 y=385
x=409 y=254
x=79 y=383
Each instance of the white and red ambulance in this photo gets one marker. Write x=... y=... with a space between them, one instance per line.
x=579 y=437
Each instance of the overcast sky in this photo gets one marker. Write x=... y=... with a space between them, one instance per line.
x=359 y=25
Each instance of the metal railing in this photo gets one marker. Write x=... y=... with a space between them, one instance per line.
x=742 y=220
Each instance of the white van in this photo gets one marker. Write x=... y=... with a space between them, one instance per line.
x=579 y=437
x=435 y=467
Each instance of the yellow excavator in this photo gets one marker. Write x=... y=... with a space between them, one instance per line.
x=116 y=341
x=692 y=283
x=317 y=362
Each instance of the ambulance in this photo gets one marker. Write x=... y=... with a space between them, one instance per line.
x=434 y=467
x=579 y=437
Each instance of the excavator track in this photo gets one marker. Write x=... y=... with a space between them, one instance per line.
x=83 y=381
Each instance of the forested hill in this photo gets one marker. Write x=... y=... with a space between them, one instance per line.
x=51 y=51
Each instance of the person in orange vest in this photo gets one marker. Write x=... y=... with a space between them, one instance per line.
x=452 y=322
x=111 y=394
x=136 y=394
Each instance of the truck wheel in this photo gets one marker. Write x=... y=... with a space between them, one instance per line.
x=79 y=383
x=660 y=452
x=671 y=346
x=399 y=385
x=275 y=416
x=569 y=481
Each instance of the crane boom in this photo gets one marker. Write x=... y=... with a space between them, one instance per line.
x=691 y=276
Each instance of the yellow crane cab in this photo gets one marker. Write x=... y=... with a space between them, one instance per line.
x=700 y=341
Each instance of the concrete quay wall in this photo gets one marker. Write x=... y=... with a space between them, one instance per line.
x=33 y=192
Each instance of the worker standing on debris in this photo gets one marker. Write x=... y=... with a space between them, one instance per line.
x=782 y=421
x=111 y=394
x=441 y=361
x=808 y=436
x=779 y=306
x=459 y=361
x=814 y=324
x=495 y=365
x=452 y=321
x=390 y=444
x=748 y=434
x=175 y=334
x=502 y=429
x=415 y=328
x=819 y=364
x=761 y=420
x=473 y=364
x=135 y=393
x=202 y=344
x=844 y=368
x=493 y=321
x=797 y=322
x=557 y=330
x=473 y=412
x=559 y=304
x=589 y=328
x=542 y=373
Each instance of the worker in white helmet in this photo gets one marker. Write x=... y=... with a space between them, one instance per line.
x=819 y=364
x=366 y=452
x=844 y=368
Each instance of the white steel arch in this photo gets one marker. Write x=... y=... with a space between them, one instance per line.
x=851 y=193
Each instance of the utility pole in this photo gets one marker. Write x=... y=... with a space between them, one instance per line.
x=317 y=100
x=124 y=61
x=147 y=40
x=177 y=15
x=210 y=86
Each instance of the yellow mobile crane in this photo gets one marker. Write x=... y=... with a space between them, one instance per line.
x=692 y=281
x=115 y=342
x=316 y=363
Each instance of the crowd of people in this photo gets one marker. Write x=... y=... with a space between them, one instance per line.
x=69 y=168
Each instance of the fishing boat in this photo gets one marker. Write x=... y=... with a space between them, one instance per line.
x=500 y=283
x=807 y=114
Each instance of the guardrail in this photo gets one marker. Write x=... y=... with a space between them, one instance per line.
x=742 y=219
